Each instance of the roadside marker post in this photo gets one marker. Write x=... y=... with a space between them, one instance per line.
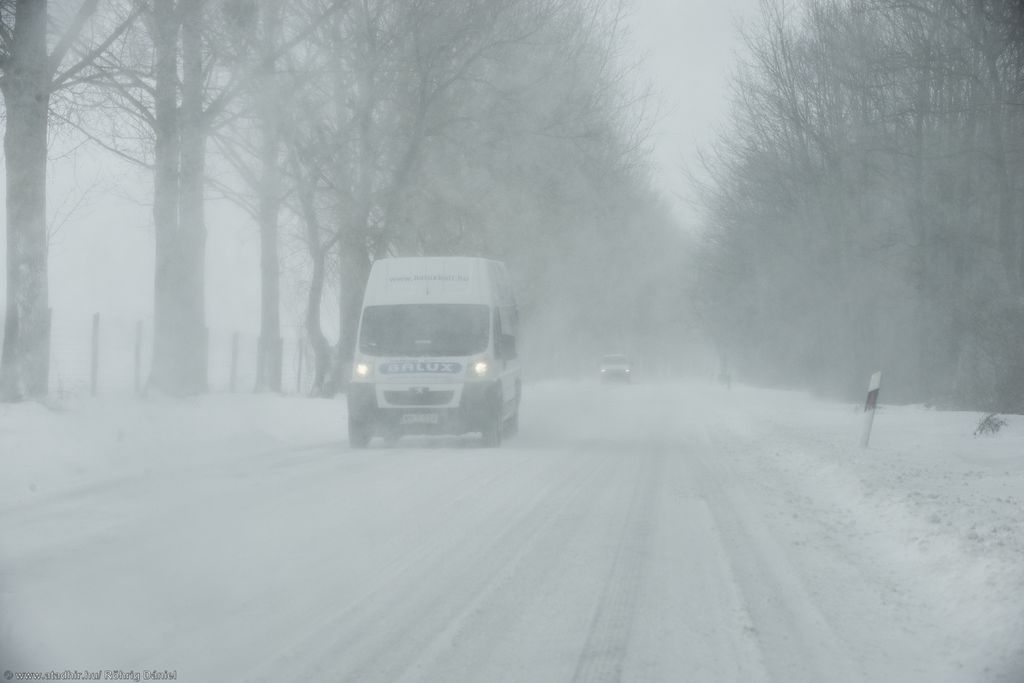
x=869 y=407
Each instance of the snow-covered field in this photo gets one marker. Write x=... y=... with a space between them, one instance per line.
x=655 y=532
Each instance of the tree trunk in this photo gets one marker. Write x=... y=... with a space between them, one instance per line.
x=354 y=267
x=314 y=328
x=354 y=249
x=1007 y=231
x=268 y=375
x=926 y=55
x=180 y=338
x=24 y=364
x=166 y=313
x=191 y=214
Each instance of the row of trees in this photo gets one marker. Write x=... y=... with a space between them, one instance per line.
x=865 y=206
x=356 y=128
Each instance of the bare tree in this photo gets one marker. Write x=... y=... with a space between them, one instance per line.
x=32 y=72
x=270 y=115
x=178 y=82
x=269 y=34
x=179 y=323
x=870 y=157
x=433 y=88
x=401 y=123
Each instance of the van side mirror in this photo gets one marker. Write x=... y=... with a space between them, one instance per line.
x=507 y=346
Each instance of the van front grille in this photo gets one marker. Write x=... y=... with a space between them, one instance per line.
x=423 y=397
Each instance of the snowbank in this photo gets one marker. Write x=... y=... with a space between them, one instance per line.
x=48 y=450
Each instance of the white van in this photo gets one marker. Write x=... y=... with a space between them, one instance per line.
x=436 y=351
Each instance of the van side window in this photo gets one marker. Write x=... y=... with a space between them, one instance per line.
x=509 y=320
x=505 y=324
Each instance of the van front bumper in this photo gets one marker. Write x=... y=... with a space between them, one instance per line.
x=478 y=404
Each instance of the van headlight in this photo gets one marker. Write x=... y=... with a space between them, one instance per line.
x=480 y=368
x=362 y=370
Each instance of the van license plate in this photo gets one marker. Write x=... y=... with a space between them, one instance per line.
x=420 y=418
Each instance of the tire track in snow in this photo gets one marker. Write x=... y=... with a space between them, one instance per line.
x=693 y=624
x=230 y=525
x=797 y=642
x=607 y=644
x=478 y=644
x=431 y=590
x=412 y=545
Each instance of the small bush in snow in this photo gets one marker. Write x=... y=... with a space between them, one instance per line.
x=990 y=425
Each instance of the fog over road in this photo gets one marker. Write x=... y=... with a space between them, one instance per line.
x=635 y=533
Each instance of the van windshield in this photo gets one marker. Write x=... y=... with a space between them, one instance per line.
x=424 y=330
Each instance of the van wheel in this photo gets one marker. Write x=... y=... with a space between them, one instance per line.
x=512 y=426
x=358 y=434
x=490 y=435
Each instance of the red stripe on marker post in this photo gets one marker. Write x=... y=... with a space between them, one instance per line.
x=869 y=407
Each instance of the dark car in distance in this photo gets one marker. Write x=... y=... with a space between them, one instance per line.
x=616 y=367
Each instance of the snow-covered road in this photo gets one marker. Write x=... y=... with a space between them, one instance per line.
x=634 y=533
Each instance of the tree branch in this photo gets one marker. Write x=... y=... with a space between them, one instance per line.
x=60 y=80
x=110 y=148
x=85 y=10
x=236 y=86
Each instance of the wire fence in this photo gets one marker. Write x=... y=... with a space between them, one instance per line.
x=91 y=353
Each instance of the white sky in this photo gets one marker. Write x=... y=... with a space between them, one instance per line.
x=689 y=48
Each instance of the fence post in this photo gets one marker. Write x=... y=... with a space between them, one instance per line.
x=95 y=364
x=298 y=373
x=869 y=407
x=49 y=350
x=138 y=358
x=278 y=366
x=234 y=361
